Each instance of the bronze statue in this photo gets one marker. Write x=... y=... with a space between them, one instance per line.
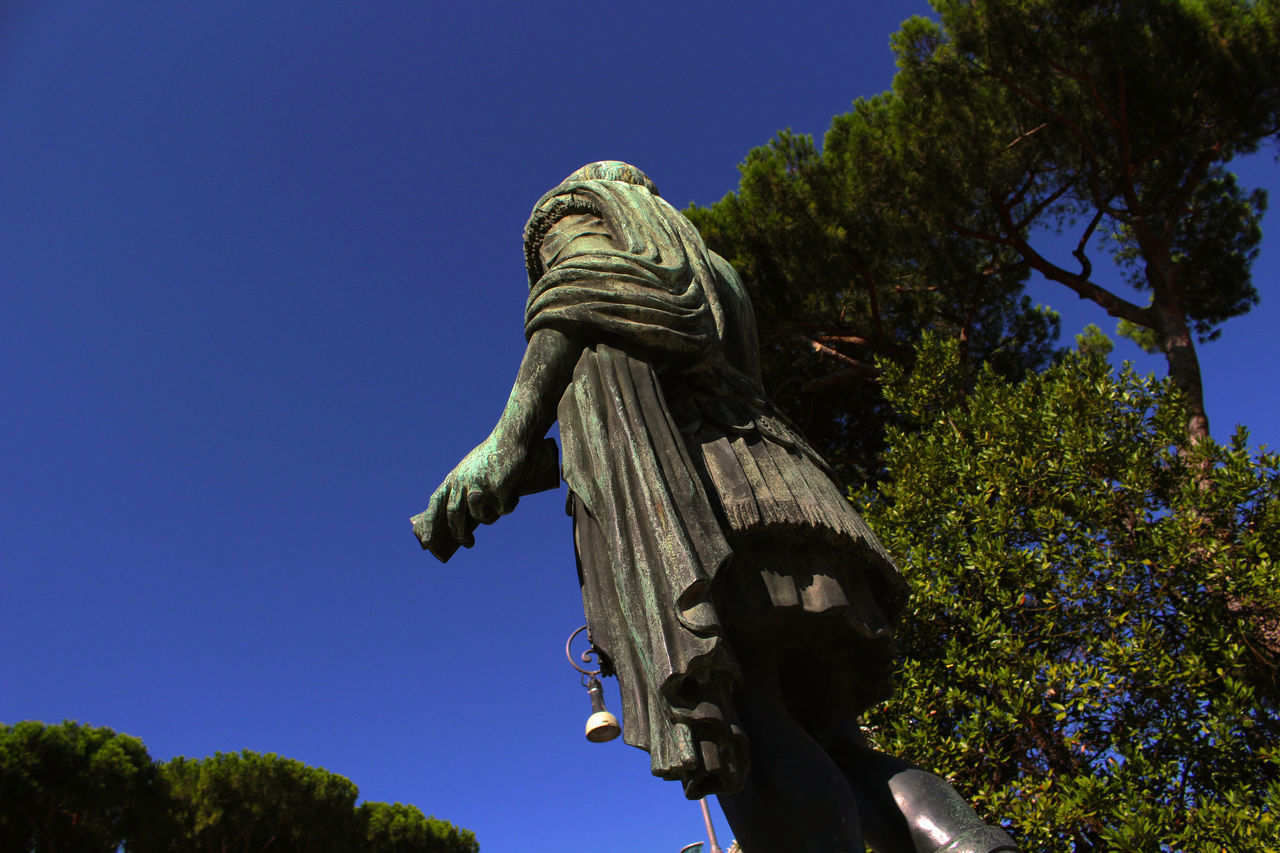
x=745 y=607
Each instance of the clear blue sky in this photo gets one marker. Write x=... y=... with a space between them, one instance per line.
x=261 y=286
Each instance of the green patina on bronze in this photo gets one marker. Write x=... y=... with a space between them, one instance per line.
x=713 y=546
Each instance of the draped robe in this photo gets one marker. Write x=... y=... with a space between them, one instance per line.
x=675 y=459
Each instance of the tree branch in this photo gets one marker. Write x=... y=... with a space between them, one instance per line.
x=823 y=349
x=1182 y=198
x=1084 y=288
x=1040 y=206
x=859 y=341
x=1027 y=135
x=1086 y=265
x=843 y=377
x=1091 y=151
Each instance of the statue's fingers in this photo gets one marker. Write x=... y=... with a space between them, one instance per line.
x=483 y=506
x=506 y=497
x=436 y=518
x=458 y=517
x=439 y=499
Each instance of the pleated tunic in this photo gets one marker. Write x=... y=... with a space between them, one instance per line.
x=697 y=507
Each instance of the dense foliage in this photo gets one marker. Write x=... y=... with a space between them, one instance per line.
x=73 y=788
x=248 y=801
x=839 y=276
x=1093 y=651
x=398 y=828
x=1110 y=122
x=1019 y=136
x=1079 y=656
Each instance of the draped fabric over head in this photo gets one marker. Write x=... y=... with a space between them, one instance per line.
x=651 y=296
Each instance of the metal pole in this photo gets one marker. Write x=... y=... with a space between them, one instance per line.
x=711 y=830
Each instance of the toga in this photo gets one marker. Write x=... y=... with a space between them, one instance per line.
x=698 y=510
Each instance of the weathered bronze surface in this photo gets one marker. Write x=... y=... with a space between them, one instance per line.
x=744 y=606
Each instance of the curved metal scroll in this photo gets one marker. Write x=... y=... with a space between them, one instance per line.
x=586 y=656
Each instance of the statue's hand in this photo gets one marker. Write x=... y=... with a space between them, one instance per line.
x=479 y=490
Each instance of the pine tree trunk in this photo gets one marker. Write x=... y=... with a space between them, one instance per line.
x=1184 y=366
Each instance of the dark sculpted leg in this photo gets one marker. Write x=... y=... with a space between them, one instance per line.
x=826 y=797
x=814 y=785
x=916 y=811
x=795 y=800
x=906 y=809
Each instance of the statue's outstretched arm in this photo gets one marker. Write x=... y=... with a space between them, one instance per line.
x=485 y=483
